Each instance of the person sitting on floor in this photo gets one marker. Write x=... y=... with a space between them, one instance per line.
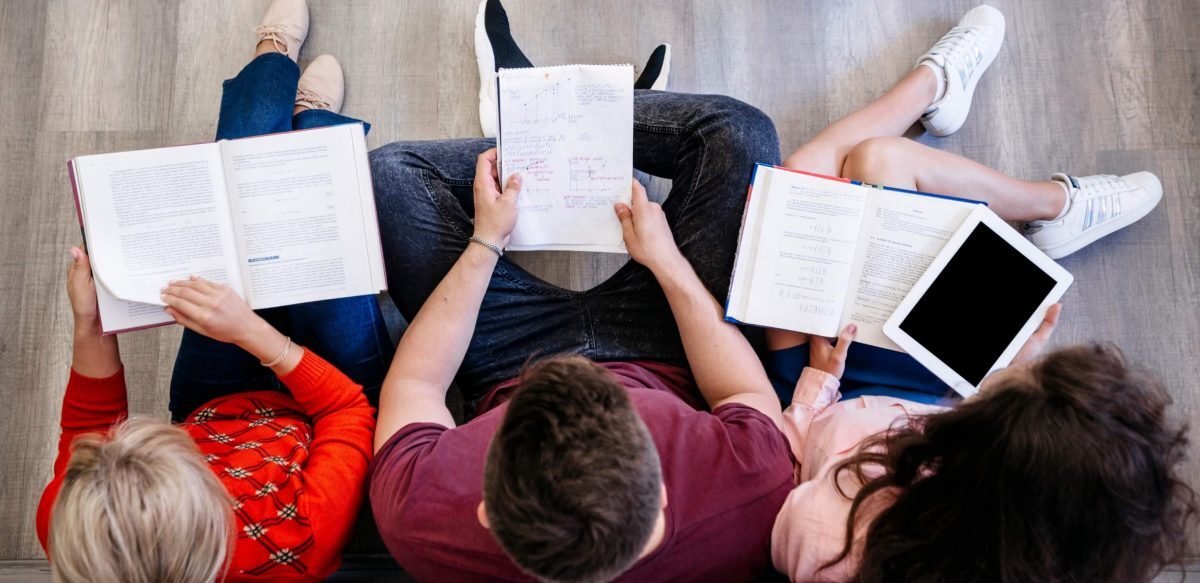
x=1063 y=468
x=651 y=451
x=263 y=474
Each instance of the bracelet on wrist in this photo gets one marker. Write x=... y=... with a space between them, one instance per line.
x=494 y=248
x=287 y=347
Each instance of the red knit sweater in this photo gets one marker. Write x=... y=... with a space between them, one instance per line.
x=295 y=464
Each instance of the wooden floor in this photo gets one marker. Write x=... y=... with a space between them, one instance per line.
x=1083 y=86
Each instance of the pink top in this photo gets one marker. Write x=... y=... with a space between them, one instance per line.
x=810 y=529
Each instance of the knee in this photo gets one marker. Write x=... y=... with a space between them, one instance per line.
x=742 y=129
x=397 y=156
x=874 y=158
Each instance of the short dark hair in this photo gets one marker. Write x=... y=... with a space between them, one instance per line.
x=572 y=481
x=1065 y=472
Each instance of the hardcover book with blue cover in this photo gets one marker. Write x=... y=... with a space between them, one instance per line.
x=817 y=252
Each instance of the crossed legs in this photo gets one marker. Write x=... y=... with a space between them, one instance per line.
x=867 y=145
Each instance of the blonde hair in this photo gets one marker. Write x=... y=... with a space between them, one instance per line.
x=140 y=505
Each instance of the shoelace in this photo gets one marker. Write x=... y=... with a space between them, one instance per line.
x=308 y=98
x=274 y=33
x=1102 y=195
x=960 y=49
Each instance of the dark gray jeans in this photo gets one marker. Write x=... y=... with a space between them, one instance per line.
x=706 y=144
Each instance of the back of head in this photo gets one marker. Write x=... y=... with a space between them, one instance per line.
x=1065 y=471
x=140 y=505
x=572 y=482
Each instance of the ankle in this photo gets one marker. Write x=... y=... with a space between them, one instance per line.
x=1054 y=199
x=267 y=45
x=932 y=82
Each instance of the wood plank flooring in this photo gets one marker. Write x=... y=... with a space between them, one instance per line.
x=1083 y=86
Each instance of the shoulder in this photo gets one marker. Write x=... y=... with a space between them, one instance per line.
x=810 y=529
x=429 y=465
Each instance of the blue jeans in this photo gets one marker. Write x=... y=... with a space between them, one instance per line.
x=706 y=144
x=349 y=333
x=870 y=370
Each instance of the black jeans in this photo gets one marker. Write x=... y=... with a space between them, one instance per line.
x=707 y=145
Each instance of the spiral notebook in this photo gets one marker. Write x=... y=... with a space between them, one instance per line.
x=569 y=132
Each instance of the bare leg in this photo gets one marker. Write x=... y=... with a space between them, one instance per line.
x=267 y=46
x=866 y=145
x=890 y=115
x=904 y=163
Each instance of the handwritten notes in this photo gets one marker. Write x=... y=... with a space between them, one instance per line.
x=568 y=131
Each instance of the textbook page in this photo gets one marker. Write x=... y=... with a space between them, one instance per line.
x=304 y=216
x=901 y=235
x=807 y=238
x=151 y=216
x=569 y=132
x=122 y=316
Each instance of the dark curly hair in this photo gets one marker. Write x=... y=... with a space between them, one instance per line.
x=1062 y=472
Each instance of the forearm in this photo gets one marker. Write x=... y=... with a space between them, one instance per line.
x=267 y=344
x=93 y=354
x=721 y=359
x=436 y=341
x=433 y=347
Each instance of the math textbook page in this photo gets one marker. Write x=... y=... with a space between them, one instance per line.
x=568 y=131
x=151 y=216
x=796 y=273
x=901 y=235
x=304 y=216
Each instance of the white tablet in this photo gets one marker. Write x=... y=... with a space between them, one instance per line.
x=982 y=297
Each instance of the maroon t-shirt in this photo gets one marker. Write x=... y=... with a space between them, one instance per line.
x=727 y=474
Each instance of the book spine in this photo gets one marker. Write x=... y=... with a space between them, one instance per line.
x=741 y=233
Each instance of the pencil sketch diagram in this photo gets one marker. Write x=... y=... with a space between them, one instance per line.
x=550 y=104
x=587 y=174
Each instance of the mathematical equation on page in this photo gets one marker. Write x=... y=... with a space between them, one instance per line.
x=568 y=131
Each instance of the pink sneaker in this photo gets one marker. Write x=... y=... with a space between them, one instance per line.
x=322 y=85
x=286 y=24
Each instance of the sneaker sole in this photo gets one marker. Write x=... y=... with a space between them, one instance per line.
x=488 y=109
x=958 y=122
x=1068 y=247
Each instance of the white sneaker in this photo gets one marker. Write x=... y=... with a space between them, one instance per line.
x=1096 y=206
x=961 y=57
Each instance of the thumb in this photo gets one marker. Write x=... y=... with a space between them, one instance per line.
x=1052 y=314
x=80 y=267
x=845 y=339
x=625 y=215
x=513 y=187
x=1049 y=323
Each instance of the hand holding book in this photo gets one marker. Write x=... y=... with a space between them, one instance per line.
x=495 y=211
x=646 y=232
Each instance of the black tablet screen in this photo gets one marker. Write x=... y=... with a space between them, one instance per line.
x=978 y=303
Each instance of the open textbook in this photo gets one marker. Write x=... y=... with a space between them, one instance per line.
x=569 y=132
x=817 y=253
x=282 y=219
